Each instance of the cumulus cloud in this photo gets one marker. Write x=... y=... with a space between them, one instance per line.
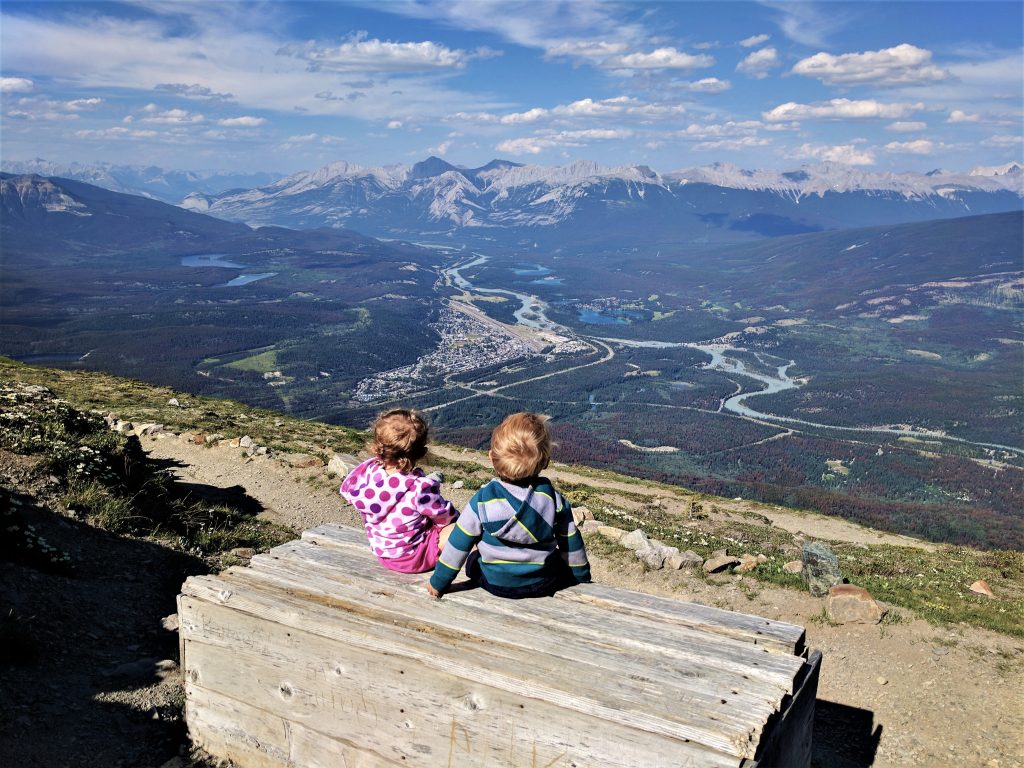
x=359 y=53
x=1003 y=140
x=117 y=132
x=754 y=40
x=714 y=130
x=847 y=154
x=394 y=125
x=79 y=104
x=659 y=58
x=170 y=116
x=902 y=65
x=621 y=107
x=193 y=91
x=959 y=116
x=245 y=121
x=840 y=109
x=903 y=126
x=707 y=85
x=534 y=145
x=15 y=85
x=585 y=49
x=919 y=147
x=529 y=116
x=758 y=63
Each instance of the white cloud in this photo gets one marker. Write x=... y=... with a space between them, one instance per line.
x=808 y=23
x=79 y=104
x=358 y=53
x=919 y=147
x=840 y=109
x=193 y=91
x=903 y=64
x=117 y=132
x=902 y=126
x=441 y=149
x=15 y=85
x=1003 y=140
x=847 y=154
x=754 y=40
x=715 y=130
x=585 y=49
x=745 y=142
x=708 y=85
x=529 y=116
x=959 y=116
x=758 y=63
x=170 y=116
x=534 y=145
x=659 y=58
x=473 y=117
x=245 y=121
x=394 y=125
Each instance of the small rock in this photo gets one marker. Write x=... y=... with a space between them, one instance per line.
x=458 y=484
x=719 y=563
x=611 y=532
x=881 y=681
x=684 y=561
x=821 y=568
x=636 y=540
x=581 y=514
x=245 y=442
x=166 y=668
x=199 y=438
x=170 y=623
x=981 y=587
x=173 y=402
x=747 y=564
x=653 y=557
x=761 y=559
x=125 y=427
x=235 y=442
x=263 y=451
x=341 y=464
x=793 y=566
x=591 y=526
x=244 y=553
x=848 y=604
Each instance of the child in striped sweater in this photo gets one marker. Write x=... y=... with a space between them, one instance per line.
x=526 y=541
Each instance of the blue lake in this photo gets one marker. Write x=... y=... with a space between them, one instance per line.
x=246 y=279
x=617 y=317
x=547 y=281
x=211 y=260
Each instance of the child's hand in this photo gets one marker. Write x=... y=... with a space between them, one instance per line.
x=433 y=592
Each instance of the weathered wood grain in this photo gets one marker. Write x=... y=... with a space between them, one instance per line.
x=776 y=636
x=617 y=699
x=727 y=663
x=389 y=706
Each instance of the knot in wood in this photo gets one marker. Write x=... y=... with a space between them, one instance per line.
x=286 y=691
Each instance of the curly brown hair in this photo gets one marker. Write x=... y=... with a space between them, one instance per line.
x=399 y=439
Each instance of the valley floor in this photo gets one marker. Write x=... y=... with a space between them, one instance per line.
x=895 y=694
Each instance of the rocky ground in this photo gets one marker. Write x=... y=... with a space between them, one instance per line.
x=99 y=686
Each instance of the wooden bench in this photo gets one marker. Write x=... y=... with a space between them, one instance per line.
x=315 y=655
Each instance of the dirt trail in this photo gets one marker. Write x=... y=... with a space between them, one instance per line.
x=903 y=694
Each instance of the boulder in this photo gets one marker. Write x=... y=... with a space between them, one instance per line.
x=821 y=568
x=592 y=526
x=246 y=442
x=653 y=557
x=636 y=540
x=611 y=532
x=793 y=566
x=718 y=563
x=341 y=464
x=981 y=587
x=848 y=604
x=173 y=402
x=684 y=561
x=747 y=564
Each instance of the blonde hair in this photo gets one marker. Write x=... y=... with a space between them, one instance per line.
x=521 y=446
x=399 y=439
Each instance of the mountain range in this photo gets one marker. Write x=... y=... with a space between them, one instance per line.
x=586 y=203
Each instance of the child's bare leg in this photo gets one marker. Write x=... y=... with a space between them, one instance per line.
x=442 y=537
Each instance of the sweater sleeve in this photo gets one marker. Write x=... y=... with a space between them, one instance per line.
x=570 y=542
x=466 y=533
x=432 y=504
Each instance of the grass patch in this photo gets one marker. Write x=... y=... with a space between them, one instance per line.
x=262 y=362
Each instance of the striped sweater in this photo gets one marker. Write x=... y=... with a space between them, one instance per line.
x=515 y=528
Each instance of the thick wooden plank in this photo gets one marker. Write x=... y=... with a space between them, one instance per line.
x=618 y=700
x=398 y=707
x=776 y=636
x=252 y=737
x=788 y=741
x=707 y=690
x=722 y=666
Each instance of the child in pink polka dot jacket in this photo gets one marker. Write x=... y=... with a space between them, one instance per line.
x=407 y=520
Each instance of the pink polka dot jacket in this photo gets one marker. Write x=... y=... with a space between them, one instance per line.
x=398 y=510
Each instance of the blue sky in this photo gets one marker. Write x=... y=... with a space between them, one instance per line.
x=288 y=86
